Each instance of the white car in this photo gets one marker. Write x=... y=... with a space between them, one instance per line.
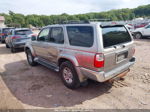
x=142 y=32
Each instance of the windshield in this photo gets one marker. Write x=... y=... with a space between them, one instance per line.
x=23 y=32
x=113 y=35
x=147 y=26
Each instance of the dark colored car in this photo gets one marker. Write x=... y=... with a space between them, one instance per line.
x=4 y=33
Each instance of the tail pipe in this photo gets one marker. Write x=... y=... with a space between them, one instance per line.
x=121 y=75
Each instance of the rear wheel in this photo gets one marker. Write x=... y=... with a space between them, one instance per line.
x=13 y=50
x=30 y=58
x=69 y=75
x=138 y=36
x=2 y=41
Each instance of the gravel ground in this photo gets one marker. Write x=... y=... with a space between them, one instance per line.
x=25 y=87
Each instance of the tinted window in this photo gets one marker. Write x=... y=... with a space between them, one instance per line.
x=43 y=36
x=23 y=32
x=80 y=35
x=57 y=35
x=148 y=26
x=6 y=30
x=115 y=35
x=10 y=32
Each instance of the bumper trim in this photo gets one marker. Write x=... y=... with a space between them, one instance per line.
x=104 y=76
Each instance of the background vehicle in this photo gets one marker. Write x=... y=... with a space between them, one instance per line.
x=130 y=27
x=140 y=25
x=17 y=38
x=82 y=51
x=142 y=32
x=0 y=34
x=4 y=33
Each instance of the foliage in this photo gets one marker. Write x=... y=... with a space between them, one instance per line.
x=43 y=20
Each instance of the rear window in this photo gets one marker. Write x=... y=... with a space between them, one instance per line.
x=80 y=36
x=6 y=30
x=23 y=32
x=115 y=35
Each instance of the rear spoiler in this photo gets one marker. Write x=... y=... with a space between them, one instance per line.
x=107 y=26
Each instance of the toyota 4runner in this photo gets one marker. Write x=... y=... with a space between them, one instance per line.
x=83 y=51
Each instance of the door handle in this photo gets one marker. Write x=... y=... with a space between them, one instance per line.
x=123 y=46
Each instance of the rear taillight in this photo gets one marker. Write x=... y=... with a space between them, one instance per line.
x=99 y=60
x=2 y=34
x=15 y=37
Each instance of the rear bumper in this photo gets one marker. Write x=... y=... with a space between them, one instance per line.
x=104 y=76
x=18 y=45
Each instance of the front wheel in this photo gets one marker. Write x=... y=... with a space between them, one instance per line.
x=7 y=46
x=69 y=75
x=30 y=58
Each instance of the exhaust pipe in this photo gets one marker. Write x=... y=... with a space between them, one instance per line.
x=120 y=76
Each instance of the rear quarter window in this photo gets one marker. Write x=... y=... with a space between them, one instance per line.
x=23 y=32
x=115 y=35
x=80 y=36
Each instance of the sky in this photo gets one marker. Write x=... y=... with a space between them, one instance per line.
x=49 y=7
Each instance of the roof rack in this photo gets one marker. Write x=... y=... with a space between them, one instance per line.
x=75 y=22
x=85 y=21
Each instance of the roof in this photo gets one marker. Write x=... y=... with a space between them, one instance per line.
x=16 y=29
x=2 y=18
x=79 y=24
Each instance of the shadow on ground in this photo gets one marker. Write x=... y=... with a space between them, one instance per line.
x=5 y=50
x=41 y=87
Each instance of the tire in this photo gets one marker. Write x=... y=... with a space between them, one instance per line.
x=73 y=81
x=13 y=50
x=138 y=36
x=2 y=41
x=30 y=58
x=7 y=46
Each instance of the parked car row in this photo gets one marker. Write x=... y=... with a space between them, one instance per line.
x=4 y=33
x=15 y=38
x=78 y=51
x=139 y=33
x=143 y=32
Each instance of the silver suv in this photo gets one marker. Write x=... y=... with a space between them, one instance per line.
x=83 y=51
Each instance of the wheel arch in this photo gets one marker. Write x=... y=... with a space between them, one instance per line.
x=74 y=61
x=30 y=48
x=65 y=57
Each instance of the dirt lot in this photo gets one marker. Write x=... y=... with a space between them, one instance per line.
x=22 y=86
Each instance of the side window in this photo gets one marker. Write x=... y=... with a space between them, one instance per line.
x=10 y=33
x=57 y=35
x=43 y=36
x=80 y=36
x=148 y=26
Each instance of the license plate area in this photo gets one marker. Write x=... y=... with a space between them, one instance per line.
x=121 y=56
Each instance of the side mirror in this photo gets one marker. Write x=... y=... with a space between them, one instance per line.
x=33 y=37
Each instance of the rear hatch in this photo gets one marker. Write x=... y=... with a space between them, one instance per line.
x=118 y=46
x=22 y=35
